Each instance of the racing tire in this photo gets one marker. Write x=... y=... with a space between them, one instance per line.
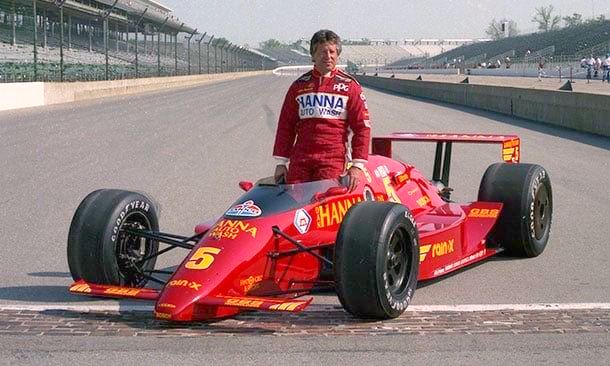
x=376 y=260
x=524 y=225
x=99 y=251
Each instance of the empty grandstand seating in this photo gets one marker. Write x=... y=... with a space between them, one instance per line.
x=573 y=41
x=287 y=56
x=84 y=50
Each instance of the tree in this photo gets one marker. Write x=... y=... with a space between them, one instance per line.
x=573 y=20
x=272 y=43
x=545 y=19
x=495 y=30
x=220 y=40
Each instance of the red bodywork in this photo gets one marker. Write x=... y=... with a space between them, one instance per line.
x=241 y=264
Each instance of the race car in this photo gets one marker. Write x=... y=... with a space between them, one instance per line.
x=279 y=242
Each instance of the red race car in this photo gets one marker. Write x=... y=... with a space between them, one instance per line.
x=278 y=242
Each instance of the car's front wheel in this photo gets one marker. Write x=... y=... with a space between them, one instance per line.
x=100 y=250
x=376 y=260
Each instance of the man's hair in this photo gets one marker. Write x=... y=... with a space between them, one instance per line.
x=324 y=36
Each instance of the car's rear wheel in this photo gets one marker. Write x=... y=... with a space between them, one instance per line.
x=100 y=250
x=376 y=260
x=524 y=225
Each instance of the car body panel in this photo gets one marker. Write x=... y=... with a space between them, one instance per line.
x=258 y=254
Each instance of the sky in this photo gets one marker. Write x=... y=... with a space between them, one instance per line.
x=248 y=22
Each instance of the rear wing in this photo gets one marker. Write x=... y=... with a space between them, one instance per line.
x=382 y=145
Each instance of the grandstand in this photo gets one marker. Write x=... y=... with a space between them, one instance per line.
x=372 y=52
x=567 y=44
x=287 y=55
x=108 y=39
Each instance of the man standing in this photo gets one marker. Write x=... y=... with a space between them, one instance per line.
x=606 y=68
x=324 y=112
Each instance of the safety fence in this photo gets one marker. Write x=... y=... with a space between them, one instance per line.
x=83 y=40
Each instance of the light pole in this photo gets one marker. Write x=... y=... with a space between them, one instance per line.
x=208 y=47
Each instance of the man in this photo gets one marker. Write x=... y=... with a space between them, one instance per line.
x=606 y=67
x=324 y=110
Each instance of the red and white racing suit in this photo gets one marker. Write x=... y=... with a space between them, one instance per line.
x=323 y=114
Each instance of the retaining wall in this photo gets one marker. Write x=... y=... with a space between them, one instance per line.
x=23 y=95
x=579 y=111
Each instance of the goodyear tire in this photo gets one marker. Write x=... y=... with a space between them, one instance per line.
x=376 y=260
x=524 y=225
x=99 y=251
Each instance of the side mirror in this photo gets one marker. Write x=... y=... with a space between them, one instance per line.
x=331 y=192
x=246 y=185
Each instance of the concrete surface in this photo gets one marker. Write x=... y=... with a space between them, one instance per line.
x=23 y=95
x=582 y=111
x=189 y=148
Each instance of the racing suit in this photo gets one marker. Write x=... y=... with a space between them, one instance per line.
x=323 y=114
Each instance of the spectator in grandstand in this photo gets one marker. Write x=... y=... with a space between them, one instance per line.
x=598 y=66
x=541 y=68
x=606 y=67
x=589 y=64
x=322 y=108
x=583 y=63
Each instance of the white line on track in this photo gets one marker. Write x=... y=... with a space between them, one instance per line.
x=414 y=308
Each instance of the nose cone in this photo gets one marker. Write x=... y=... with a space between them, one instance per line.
x=232 y=249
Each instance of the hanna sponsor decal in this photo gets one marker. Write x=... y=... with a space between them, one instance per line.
x=246 y=209
x=333 y=213
x=166 y=305
x=231 y=229
x=322 y=105
x=302 y=221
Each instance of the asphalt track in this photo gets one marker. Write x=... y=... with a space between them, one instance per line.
x=189 y=148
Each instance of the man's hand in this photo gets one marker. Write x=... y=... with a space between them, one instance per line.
x=354 y=175
x=280 y=174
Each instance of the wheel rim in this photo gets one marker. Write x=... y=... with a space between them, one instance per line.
x=131 y=249
x=542 y=214
x=397 y=262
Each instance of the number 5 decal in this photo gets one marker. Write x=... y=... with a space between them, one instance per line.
x=392 y=196
x=203 y=258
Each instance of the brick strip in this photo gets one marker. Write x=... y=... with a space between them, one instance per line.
x=320 y=320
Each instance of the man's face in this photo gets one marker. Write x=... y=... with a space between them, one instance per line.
x=325 y=57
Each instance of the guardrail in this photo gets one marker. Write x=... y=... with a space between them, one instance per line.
x=583 y=112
